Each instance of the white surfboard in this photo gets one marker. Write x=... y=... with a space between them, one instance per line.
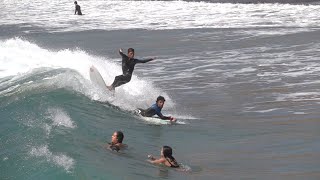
x=96 y=78
x=154 y=120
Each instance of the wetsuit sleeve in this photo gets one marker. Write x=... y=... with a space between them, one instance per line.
x=123 y=55
x=162 y=116
x=144 y=61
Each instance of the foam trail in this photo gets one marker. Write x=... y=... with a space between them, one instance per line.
x=60 y=118
x=61 y=160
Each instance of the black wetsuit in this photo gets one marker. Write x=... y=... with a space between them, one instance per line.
x=154 y=109
x=78 y=9
x=127 y=69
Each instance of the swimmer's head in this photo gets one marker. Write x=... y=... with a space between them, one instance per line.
x=166 y=151
x=120 y=136
x=117 y=137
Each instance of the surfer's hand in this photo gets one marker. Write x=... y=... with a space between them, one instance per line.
x=172 y=119
x=120 y=50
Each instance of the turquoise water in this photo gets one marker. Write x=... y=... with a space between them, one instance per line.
x=251 y=118
x=62 y=135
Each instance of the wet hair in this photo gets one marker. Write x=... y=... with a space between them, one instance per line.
x=167 y=153
x=130 y=50
x=75 y=2
x=160 y=98
x=120 y=136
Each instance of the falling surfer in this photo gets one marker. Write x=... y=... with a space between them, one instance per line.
x=128 y=63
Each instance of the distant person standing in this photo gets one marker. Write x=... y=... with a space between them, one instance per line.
x=78 y=9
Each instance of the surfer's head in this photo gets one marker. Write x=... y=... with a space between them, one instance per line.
x=160 y=101
x=130 y=53
x=117 y=137
x=75 y=2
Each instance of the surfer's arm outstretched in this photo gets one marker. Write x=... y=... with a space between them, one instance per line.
x=165 y=117
x=145 y=60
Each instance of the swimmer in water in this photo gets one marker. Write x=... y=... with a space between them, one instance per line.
x=116 y=141
x=166 y=158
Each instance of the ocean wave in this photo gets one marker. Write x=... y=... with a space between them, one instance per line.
x=28 y=69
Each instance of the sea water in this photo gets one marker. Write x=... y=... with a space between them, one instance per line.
x=244 y=79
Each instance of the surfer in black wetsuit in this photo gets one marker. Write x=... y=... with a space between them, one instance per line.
x=78 y=9
x=128 y=63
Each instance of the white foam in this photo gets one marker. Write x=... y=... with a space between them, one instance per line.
x=19 y=56
x=110 y=15
x=61 y=160
x=60 y=118
x=301 y=96
x=245 y=70
x=268 y=110
x=299 y=113
x=47 y=129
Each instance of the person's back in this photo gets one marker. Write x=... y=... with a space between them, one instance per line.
x=166 y=158
x=151 y=111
